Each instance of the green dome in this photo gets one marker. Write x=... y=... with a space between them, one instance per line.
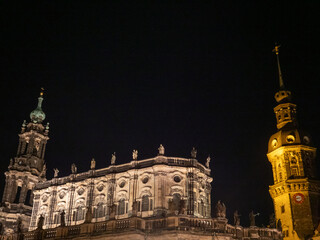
x=37 y=115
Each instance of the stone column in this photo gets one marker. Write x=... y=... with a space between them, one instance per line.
x=69 y=208
x=191 y=194
x=52 y=206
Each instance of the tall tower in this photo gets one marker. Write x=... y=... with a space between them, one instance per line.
x=24 y=171
x=296 y=190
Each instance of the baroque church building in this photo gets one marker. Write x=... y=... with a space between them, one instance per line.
x=156 y=198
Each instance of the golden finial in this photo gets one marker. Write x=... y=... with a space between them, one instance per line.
x=276 y=50
x=41 y=92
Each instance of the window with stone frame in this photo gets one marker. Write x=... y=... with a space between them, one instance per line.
x=56 y=218
x=121 y=207
x=176 y=198
x=78 y=214
x=99 y=211
x=28 y=198
x=145 y=203
x=16 y=200
x=201 y=208
x=294 y=171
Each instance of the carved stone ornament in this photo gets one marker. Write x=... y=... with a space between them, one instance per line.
x=145 y=179
x=44 y=198
x=61 y=195
x=80 y=191
x=122 y=184
x=100 y=187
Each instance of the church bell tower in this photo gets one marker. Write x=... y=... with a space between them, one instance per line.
x=24 y=171
x=296 y=190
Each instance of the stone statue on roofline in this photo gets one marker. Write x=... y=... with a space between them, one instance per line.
x=44 y=171
x=93 y=164
x=161 y=150
x=73 y=168
x=236 y=218
x=252 y=217
x=208 y=161
x=194 y=153
x=56 y=172
x=221 y=209
x=113 y=158
x=135 y=154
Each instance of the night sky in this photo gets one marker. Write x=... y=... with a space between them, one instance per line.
x=124 y=75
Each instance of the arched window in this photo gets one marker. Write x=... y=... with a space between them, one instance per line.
x=145 y=203
x=28 y=198
x=56 y=219
x=121 y=207
x=79 y=214
x=99 y=210
x=176 y=201
x=16 y=200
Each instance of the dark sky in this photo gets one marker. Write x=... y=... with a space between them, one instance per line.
x=124 y=75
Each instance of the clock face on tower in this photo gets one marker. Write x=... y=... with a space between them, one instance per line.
x=298 y=197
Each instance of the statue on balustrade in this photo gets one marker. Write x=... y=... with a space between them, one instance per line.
x=252 y=217
x=236 y=218
x=40 y=222
x=221 y=210
x=62 y=218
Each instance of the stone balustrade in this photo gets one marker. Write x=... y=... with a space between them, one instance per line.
x=209 y=227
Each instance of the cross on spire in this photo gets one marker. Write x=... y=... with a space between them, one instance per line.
x=276 y=51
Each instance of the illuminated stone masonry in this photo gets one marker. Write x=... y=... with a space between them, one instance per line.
x=156 y=198
x=296 y=189
x=154 y=187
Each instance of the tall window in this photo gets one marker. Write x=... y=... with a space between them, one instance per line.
x=100 y=210
x=176 y=201
x=57 y=218
x=16 y=200
x=79 y=214
x=121 y=207
x=280 y=176
x=145 y=203
x=27 y=201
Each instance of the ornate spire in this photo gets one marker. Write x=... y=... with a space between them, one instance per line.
x=276 y=50
x=282 y=95
x=37 y=115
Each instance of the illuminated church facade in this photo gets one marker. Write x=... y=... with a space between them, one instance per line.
x=156 y=198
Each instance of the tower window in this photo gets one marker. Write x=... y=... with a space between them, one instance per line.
x=280 y=176
x=282 y=209
x=27 y=201
x=16 y=200
x=294 y=172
